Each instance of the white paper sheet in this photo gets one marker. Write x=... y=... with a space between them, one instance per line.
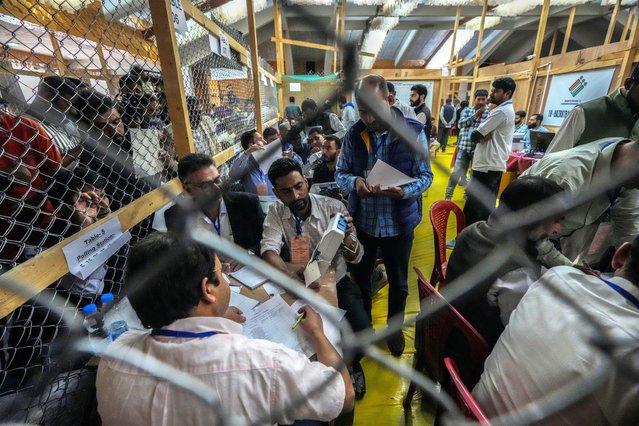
x=272 y=289
x=267 y=156
x=248 y=277
x=331 y=330
x=272 y=320
x=242 y=302
x=387 y=176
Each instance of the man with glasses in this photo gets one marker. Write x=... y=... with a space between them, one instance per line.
x=235 y=216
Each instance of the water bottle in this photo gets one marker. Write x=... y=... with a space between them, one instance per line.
x=113 y=316
x=93 y=320
x=108 y=302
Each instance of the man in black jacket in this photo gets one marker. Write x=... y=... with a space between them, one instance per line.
x=236 y=216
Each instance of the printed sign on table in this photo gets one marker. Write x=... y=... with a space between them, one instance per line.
x=569 y=90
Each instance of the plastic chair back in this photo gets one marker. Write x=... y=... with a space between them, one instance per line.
x=439 y=214
x=462 y=395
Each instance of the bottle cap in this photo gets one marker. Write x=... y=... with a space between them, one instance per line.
x=90 y=308
x=106 y=298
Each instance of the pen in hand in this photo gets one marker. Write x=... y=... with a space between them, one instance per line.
x=298 y=321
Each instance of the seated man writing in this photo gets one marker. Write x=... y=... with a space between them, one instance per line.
x=298 y=222
x=256 y=381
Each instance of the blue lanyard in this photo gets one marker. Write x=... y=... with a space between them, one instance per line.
x=298 y=225
x=183 y=334
x=216 y=224
x=626 y=295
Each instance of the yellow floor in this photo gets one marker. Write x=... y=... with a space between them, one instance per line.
x=382 y=404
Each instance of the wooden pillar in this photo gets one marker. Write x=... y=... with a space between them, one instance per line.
x=626 y=27
x=342 y=30
x=110 y=79
x=57 y=54
x=632 y=48
x=553 y=42
x=452 y=46
x=172 y=75
x=279 y=54
x=571 y=20
x=479 y=40
x=613 y=22
x=543 y=20
x=335 y=35
x=255 y=66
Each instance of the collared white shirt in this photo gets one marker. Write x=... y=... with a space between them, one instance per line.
x=225 y=225
x=492 y=153
x=577 y=170
x=280 y=223
x=547 y=345
x=255 y=380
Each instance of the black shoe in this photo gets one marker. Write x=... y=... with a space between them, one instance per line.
x=359 y=381
x=396 y=344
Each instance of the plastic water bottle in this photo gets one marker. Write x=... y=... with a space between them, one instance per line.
x=108 y=302
x=113 y=316
x=93 y=320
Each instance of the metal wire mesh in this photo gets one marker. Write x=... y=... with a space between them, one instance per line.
x=64 y=144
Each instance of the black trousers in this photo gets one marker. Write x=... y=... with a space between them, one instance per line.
x=349 y=298
x=442 y=137
x=396 y=254
x=474 y=210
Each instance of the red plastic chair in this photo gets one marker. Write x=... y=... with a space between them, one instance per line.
x=462 y=395
x=439 y=213
x=432 y=335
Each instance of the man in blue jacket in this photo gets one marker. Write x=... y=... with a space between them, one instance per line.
x=384 y=218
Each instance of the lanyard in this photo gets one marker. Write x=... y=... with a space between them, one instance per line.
x=626 y=295
x=298 y=225
x=184 y=334
x=216 y=224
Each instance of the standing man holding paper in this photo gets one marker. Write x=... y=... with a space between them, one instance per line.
x=299 y=222
x=384 y=218
x=246 y=169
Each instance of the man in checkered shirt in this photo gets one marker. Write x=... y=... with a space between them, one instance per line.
x=469 y=120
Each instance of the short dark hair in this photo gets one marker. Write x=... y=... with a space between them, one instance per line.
x=58 y=86
x=136 y=76
x=282 y=167
x=632 y=270
x=246 y=138
x=169 y=292
x=342 y=99
x=191 y=163
x=90 y=104
x=372 y=81
x=635 y=77
x=391 y=87
x=463 y=104
x=526 y=191
x=336 y=139
x=291 y=99
x=481 y=92
x=268 y=132
x=309 y=104
x=316 y=129
x=506 y=84
x=521 y=113
x=539 y=116
x=420 y=89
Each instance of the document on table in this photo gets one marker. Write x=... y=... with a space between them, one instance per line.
x=272 y=321
x=248 y=277
x=331 y=330
x=242 y=302
x=387 y=176
x=267 y=156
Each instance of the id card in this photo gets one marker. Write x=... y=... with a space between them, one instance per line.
x=262 y=189
x=300 y=250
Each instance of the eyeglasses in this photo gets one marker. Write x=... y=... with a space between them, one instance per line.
x=206 y=185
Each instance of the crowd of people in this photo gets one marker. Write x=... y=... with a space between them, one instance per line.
x=70 y=160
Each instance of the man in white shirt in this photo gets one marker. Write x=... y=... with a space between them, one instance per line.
x=298 y=222
x=256 y=381
x=494 y=138
x=551 y=343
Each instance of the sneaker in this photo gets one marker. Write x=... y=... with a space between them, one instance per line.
x=451 y=244
x=396 y=344
x=359 y=381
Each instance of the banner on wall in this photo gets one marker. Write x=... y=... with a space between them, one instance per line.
x=569 y=90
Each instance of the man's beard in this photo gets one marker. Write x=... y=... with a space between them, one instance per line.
x=414 y=104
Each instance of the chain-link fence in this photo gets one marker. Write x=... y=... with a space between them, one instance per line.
x=86 y=131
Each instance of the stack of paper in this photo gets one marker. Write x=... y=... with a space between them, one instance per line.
x=242 y=302
x=248 y=277
x=387 y=176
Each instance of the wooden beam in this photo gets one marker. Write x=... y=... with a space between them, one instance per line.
x=335 y=37
x=613 y=22
x=313 y=45
x=50 y=265
x=479 y=40
x=88 y=23
x=455 y=28
x=255 y=65
x=629 y=56
x=342 y=31
x=571 y=20
x=279 y=53
x=626 y=26
x=553 y=42
x=57 y=54
x=541 y=31
x=172 y=75
x=112 y=85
